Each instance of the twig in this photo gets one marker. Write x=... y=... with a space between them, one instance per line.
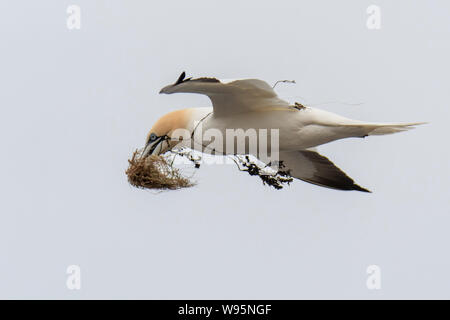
x=284 y=81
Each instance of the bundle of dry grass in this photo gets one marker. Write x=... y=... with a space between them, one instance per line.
x=154 y=172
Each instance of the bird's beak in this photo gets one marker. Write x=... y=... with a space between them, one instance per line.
x=146 y=151
x=156 y=147
x=152 y=148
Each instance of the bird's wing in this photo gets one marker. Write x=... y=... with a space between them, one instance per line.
x=229 y=97
x=310 y=166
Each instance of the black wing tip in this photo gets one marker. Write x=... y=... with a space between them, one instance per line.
x=359 y=188
x=181 y=78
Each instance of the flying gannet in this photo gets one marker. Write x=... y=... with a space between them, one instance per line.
x=253 y=104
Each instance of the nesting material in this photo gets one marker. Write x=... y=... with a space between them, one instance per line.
x=277 y=180
x=154 y=172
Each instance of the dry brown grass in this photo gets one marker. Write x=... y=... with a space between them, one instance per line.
x=154 y=172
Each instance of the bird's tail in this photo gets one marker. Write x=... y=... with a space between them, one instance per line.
x=388 y=128
x=373 y=129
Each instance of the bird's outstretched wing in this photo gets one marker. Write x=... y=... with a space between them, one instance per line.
x=229 y=97
x=310 y=166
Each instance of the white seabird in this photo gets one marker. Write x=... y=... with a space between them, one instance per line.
x=252 y=103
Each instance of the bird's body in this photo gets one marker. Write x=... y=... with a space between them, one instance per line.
x=298 y=128
x=251 y=108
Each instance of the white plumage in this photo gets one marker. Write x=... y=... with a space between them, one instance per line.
x=253 y=104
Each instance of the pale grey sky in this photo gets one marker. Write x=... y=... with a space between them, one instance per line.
x=75 y=104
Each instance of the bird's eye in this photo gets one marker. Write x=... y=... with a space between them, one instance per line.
x=153 y=137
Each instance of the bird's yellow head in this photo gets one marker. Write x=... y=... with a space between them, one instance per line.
x=159 y=139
